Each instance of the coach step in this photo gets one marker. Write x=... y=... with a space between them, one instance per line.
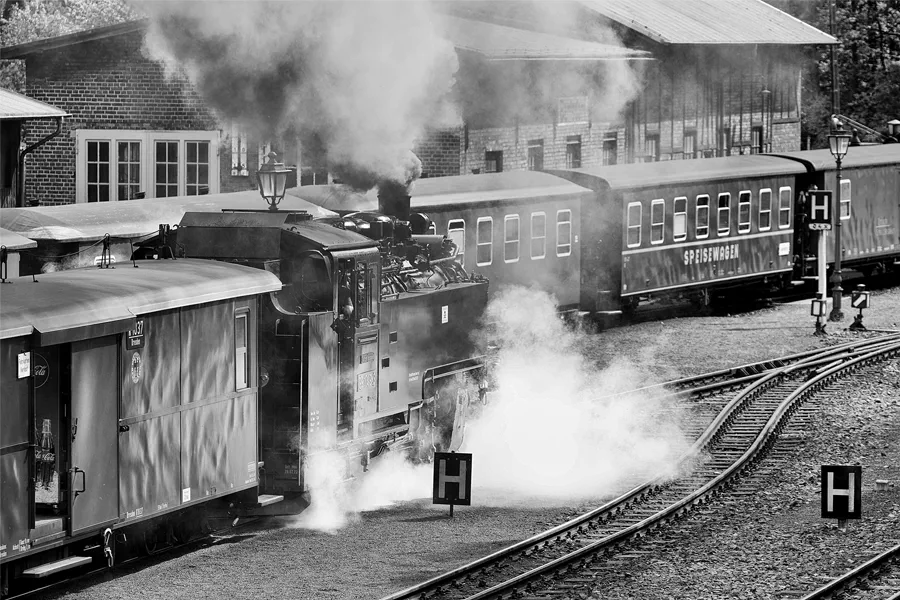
x=48 y=569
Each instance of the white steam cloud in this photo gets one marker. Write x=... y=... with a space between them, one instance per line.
x=555 y=429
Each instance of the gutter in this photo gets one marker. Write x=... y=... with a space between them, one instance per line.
x=20 y=191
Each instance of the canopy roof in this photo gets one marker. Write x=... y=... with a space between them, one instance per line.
x=17 y=106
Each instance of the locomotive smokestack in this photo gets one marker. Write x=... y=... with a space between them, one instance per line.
x=394 y=200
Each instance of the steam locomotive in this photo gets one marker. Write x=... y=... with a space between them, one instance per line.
x=203 y=375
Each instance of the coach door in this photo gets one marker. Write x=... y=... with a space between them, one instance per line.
x=93 y=488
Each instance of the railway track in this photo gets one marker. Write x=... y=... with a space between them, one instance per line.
x=876 y=579
x=740 y=433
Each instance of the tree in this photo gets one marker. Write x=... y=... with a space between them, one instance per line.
x=31 y=20
x=868 y=63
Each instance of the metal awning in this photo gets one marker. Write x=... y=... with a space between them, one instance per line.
x=17 y=106
x=14 y=241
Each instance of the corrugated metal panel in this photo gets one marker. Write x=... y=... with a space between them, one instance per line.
x=83 y=303
x=132 y=219
x=17 y=106
x=497 y=42
x=709 y=21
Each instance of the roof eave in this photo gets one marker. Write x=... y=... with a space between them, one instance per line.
x=90 y=35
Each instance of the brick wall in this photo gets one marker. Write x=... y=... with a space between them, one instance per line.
x=103 y=84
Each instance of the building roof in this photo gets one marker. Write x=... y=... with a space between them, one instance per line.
x=709 y=22
x=17 y=106
x=493 y=42
x=498 y=42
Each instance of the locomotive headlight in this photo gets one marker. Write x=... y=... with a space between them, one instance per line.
x=272 y=179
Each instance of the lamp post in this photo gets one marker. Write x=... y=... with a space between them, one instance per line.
x=838 y=143
x=272 y=179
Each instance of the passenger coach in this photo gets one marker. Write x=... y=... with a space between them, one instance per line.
x=685 y=226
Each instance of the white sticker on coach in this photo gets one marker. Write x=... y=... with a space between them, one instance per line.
x=445 y=314
x=186 y=495
x=784 y=249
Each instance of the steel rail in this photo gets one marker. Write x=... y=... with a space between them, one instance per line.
x=863 y=571
x=703 y=494
x=712 y=432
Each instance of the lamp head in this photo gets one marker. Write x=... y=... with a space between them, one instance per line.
x=272 y=180
x=838 y=140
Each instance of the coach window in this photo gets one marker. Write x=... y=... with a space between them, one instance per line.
x=241 y=356
x=563 y=232
x=724 y=212
x=845 y=199
x=657 y=221
x=679 y=219
x=456 y=231
x=701 y=224
x=784 y=207
x=744 y=212
x=484 y=241
x=538 y=235
x=511 y=238
x=634 y=225
x=765 y=210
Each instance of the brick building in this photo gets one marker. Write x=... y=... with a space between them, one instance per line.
x=707 y=84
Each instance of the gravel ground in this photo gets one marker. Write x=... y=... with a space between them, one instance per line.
x=749 y=553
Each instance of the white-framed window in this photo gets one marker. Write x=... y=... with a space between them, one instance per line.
x=633 y=224
x=679 y=219
x=241 y=354
x=484 y=241
x=765 y=209
x=239 y=166
x=784 y=207
x=456 y=231
x=563 y=232
x=845 y=199
x=538 y=235
x=744 y=211
x=657 y=221
x=511 y=238
x=114 y=165
x=724 y=214
x=701 y=223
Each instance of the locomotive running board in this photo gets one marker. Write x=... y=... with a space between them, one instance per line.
x=55 y=567
x=268 y=505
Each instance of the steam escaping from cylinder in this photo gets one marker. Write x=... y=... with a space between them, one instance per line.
x=554 y=428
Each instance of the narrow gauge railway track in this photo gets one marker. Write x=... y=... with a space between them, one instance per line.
x=739 y=436
x=152 y=550
x=876 y=579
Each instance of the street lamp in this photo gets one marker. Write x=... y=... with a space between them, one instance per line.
x=272 y=179
x=838 y=143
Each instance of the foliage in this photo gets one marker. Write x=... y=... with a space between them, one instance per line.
x=868 y=63
x=31 y=20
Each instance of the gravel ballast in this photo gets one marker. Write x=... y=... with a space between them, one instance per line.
x=771 y=535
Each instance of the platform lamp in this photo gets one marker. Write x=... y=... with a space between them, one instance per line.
x=838 y=143
x=272 y=179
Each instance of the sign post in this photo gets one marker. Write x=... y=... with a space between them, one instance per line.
x=841 y=493
x=820 y=221
x=859 y=299
x=452 y=479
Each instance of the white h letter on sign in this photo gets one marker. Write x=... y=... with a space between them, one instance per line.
x=849 y=491
x=459 y=480
x=820 y=205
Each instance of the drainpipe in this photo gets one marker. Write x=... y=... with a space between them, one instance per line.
x=20 y=191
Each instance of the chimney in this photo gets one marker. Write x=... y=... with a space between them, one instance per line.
x=394 y=200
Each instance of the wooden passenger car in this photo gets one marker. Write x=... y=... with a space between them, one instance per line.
x=128 y=393
x=685 y=226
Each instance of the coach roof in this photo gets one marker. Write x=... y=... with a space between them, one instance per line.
x=78 y=304
x=671 y=172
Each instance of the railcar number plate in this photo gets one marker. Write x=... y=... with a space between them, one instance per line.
x=820 y=226
x=365 y=380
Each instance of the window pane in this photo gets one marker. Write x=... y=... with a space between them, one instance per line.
x=679 y=220
x=538 y=236
x=724 y=226
x=744 y=212
x=702 y=222
x=634 y=225
x=511 y=241
x=657 y=222
x=484 y=242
